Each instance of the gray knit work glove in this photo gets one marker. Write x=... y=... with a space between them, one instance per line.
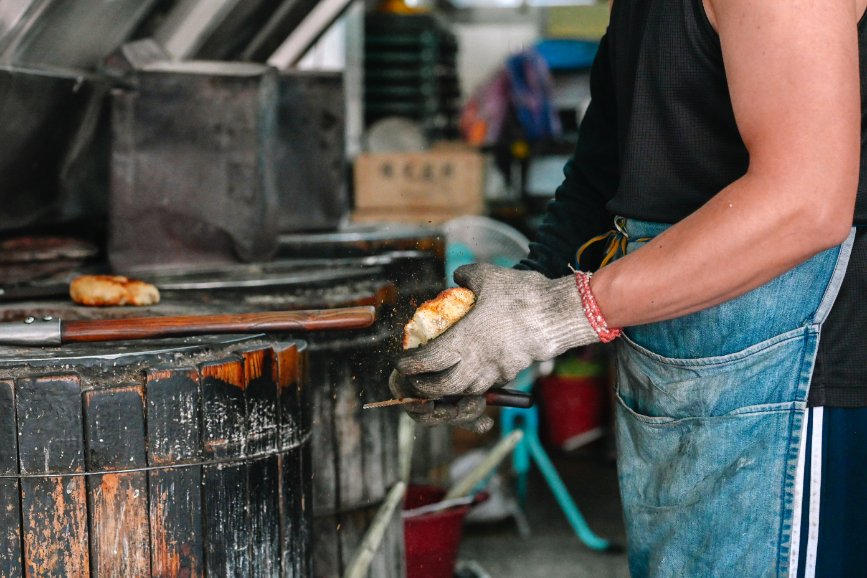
x=519 y=317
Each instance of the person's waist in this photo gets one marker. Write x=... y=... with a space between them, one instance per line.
x=637 y=229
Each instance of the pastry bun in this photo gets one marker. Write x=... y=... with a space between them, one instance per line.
x=433 y=317
x=111 y=290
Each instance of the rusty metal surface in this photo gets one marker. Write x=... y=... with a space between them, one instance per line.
x=30 y=258
x=310 y=154
x=57 y=170
x=65 y=34
x=363 y=240
x=192 y=169
x=11 y=13
x=35 y=249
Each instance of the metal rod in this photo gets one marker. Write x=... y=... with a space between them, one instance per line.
x=360 y=563
x=503 y=448
x=497 y=396
x=303 y=37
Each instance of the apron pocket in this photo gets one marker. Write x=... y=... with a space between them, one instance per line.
x=659 y=389
x=707 y=448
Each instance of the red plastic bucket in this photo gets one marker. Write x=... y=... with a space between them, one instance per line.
x=573 y=409
x=432 y=540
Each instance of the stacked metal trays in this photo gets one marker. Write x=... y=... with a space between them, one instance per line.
x=411 y=72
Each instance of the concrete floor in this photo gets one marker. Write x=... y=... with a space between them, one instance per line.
x=553 y=550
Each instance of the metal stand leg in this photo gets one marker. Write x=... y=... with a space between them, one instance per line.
x=530 y=447
x=573 y=514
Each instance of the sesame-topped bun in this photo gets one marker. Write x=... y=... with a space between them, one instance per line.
x=110 y=290
x=433 y=317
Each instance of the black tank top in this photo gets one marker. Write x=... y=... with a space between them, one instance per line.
x=678 y=141
x=678 y=145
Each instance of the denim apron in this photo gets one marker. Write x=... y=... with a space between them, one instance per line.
x=709 y=414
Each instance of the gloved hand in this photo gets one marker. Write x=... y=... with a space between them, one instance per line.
x=519 y=317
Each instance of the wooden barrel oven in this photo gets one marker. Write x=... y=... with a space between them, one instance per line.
x=354 y=452
x=155 y=458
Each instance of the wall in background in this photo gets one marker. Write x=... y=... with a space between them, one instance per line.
x=484 y=47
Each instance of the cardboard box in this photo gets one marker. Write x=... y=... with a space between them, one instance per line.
x=441 y=184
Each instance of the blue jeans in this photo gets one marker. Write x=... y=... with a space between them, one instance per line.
x=709 y=414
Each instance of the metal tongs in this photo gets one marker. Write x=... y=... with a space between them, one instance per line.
x=497 y=396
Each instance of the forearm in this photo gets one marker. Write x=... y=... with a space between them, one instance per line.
x=752 y=231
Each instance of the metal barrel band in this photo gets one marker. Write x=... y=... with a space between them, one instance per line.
x=299 y=442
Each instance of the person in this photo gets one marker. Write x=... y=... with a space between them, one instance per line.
x=721 y=154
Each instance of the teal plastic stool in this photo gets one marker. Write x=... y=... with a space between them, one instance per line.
x=530 y=449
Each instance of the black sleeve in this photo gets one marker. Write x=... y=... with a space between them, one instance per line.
x=577 y=211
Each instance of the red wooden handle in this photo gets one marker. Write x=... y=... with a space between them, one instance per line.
x=186 y=325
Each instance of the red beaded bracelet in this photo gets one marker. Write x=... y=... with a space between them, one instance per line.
x=591 y=309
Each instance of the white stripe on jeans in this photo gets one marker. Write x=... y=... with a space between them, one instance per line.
x=795 y=551
x=815 y=493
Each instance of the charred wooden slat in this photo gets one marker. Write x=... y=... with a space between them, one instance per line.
x=349 y=421
x=295 y=532
x=380 y=431
x=304 y=491
x=10 y=510
x=325 y=374
x=224 y=428
x=353 y=450
x=174 y=438
x=264 y=487
x=54 y=507
x=261 y=393
x=326 y=551
x=294 y=522
x=287 y=374
x=225 y=490
x=307 y=518
x=119 y=529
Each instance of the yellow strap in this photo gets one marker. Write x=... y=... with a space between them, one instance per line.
x=616 y=245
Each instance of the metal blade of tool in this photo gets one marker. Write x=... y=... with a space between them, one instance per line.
x=497 y=396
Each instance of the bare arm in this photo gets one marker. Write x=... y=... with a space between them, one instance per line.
x=792 y=69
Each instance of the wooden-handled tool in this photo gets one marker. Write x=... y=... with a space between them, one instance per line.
x=51 y=331
x=495 y=396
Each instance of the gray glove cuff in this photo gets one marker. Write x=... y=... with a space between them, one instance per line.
x=562 y=318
